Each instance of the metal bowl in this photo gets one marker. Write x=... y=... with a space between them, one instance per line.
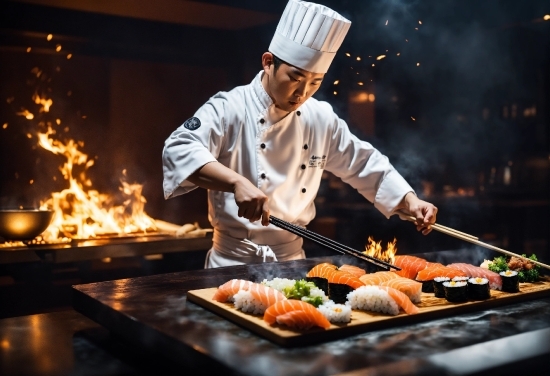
x=24 y=224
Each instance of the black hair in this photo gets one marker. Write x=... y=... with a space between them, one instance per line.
x=277 y=63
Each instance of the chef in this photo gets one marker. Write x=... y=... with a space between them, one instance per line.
x=261 y=149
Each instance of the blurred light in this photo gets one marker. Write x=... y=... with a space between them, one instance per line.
x=5 y=344
x=58 y=48
x=336 y=82
x=348 y=54
x=406 y=40
x=58 y=121
x=358 y=58
x=69 y=56
x=399 y=54
x=420 y=22
x=371 y=97
x=388 y=20
x=29 y=135
x=360 y=83
x=373 y=64
x=335 y=93
x=416 y=28
x=5 y=126
x=380 y=57
x=417 y=64
x=359 y=97
x=29 y=49
x=49 y=37
x=547 y=17
x=31 y=181
x=413 y=119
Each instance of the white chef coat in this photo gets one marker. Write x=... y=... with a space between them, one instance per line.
x=284 y=157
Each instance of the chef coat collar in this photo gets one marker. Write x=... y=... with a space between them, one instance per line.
x=268 y=112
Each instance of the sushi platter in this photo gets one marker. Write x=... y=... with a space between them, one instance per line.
x=429 y=308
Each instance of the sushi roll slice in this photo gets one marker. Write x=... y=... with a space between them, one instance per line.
x=478 y=288
x=456 y=292
x=460 y=279
x=510 y=281
x=428 y=286
x=439 y=291
x=320 y=282
x=339 y=292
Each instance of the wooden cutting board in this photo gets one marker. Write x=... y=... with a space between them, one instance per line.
x=430 y=308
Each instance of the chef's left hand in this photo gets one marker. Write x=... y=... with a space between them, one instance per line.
x=424 y=212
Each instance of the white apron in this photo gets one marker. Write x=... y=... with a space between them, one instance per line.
x=285 y=158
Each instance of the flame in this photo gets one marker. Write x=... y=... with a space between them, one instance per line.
x=82 y=212
x=45 y=103
x=374 y=249
x=26 y=113
x=380 y=57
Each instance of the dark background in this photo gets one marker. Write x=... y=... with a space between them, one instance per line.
x=469 y=127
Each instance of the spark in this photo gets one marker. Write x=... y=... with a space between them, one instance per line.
x=399 y=54
x=28 y=115
x=58 y=48
x=358 y=58
x=360 y=83
x=348 y=54
x=5 y=126
x=417 y=64
x=31 y=181
x=420 y=22
x=387 y=22
x=546 y=17
x=29 y=49
x=58 y=121
x=29 y=135
x=335 y=93
x=380 y=57
x=413 y=119
x=336 y=82
x=69 y=56
x=373 y=64
x=49 y=37
x=416 y=28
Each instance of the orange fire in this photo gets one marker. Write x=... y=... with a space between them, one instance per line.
x=79 y=211
x=374 y=249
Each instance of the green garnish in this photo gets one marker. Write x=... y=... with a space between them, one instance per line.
x=315 y=300
x=501 y=265
x=301 y=288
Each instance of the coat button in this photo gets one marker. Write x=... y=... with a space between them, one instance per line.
x=305 y=147
x=298 y=113
x=303 y=167
x=262 y=175
x=262 y=121
x=303 y=190
x=262 y=146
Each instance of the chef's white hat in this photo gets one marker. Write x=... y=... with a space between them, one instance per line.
x=308 y=36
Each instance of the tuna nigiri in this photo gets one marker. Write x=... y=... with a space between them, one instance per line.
x=410 y=265
x=305 y=314
x=495 y=281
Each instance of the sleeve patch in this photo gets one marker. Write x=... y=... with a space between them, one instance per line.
x=192 y=123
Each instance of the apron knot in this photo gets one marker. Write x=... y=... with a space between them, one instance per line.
x=262 y=251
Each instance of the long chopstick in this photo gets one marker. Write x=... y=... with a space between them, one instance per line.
x=472 y=239
x=437 y=226
x=328 y=243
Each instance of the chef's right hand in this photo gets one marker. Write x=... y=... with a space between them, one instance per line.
x=252 y=202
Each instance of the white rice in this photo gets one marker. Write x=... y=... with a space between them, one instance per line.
x=279 y=283
x=246 y=303
x=335 y=312
x=314 y=292
x=371 y=298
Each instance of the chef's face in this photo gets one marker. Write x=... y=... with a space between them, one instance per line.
x=289 y=87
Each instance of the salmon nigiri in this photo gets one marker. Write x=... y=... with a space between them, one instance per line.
x=401 y=299
x=322 y=270
x=410 y=265
x=407 y=286
x=230 y=288
x=352 y=269
x=438 y=270
x=345 y=278
x=377 y=278
x=304 y=315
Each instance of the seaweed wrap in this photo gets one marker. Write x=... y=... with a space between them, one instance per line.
x=320 y=282
x=478 y=288
x=456 y=292
x=427 y=286
x=338 y=292
x=439 y=291
x=510 y=281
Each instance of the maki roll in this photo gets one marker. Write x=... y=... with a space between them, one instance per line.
x=478 y=288
x=456 y=292
x=339 y=292
x=320 y=282
x=428 y=286
x=340 y=284
x=510 y=281
x=439 y=291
